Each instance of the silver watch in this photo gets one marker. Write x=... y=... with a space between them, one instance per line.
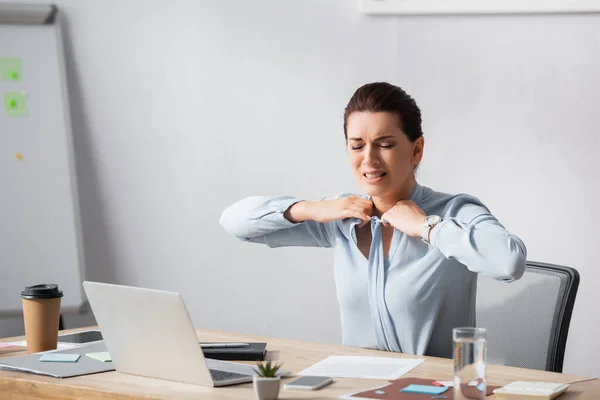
x=430 y=222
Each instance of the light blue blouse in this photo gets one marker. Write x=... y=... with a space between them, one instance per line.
x=409 y=301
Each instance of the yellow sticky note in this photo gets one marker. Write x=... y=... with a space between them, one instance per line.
x=19 y=156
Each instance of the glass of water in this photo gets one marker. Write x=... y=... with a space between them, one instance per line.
x=470 y=358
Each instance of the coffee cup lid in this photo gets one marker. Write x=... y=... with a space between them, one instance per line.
x=45 y=291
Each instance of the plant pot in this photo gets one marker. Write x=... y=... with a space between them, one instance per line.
x=266 y=388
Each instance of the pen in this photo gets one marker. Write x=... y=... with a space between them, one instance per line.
x=222 y=345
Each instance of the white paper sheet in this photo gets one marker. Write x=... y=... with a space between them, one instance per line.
x=362 y=367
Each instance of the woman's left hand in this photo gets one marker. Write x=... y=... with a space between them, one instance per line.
x=407 y=217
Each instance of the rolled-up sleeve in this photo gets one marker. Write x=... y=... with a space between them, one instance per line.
x=474 y=237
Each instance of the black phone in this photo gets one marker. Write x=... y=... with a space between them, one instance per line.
x=81 y=337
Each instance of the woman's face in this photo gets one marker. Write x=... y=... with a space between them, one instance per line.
x=381 y=156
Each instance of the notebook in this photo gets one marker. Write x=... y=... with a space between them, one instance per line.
x=392 y=391
x=255 y=352
x=83 y=366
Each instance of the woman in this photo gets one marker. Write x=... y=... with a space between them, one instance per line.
x=405 y=256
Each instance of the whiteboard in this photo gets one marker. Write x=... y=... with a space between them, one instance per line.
x=40 y=240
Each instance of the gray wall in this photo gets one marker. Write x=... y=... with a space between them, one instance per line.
x=183 y=107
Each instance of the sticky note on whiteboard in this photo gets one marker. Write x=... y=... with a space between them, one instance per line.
x=15 y=104
x=11 y=69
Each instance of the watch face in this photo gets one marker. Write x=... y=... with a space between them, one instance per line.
x=433 y=219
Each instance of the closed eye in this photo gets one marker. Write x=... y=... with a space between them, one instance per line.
x=383 y=146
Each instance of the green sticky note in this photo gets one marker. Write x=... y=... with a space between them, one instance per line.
x=11 y=69
x=59 y=357
x=101 y=356
x=15 y=104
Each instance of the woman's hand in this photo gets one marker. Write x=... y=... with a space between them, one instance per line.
x=331 y=210
x=407 y=217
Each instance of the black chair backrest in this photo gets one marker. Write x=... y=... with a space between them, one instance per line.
x=528 y=319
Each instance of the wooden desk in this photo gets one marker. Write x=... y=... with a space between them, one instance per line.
x=295 y=355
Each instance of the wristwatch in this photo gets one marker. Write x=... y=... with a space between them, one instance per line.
x=430 y=222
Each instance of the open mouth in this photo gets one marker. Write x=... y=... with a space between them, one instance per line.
x=375 y=176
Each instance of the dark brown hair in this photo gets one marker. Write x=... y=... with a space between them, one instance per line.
x=383 y=96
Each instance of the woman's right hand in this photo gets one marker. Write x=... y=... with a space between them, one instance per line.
x=331 y=210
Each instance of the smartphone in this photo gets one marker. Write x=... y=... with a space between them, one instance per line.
x=308 y=382
x=80 y=337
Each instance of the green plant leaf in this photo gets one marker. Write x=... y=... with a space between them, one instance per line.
x=267 y=370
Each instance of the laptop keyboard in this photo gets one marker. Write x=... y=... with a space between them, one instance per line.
x=219 y=375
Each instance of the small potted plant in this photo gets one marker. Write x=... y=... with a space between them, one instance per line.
x=266 y=382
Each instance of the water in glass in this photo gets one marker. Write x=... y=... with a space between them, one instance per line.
x=470 y=348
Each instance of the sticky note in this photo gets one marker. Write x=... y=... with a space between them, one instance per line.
x=15 y=104
x=11 y=69
x=424 y=389
x=101 y=356
x=59 y=357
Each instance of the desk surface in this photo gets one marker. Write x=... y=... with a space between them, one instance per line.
x=295 y=355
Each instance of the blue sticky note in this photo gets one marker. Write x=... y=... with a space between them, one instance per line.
x=424 y=389
x=481 y=387
x=59 y=357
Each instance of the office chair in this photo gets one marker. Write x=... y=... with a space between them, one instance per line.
x=527 y=320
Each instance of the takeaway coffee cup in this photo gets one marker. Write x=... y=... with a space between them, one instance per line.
x=41 y=313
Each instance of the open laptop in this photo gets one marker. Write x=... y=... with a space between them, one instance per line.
x=149 y=333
